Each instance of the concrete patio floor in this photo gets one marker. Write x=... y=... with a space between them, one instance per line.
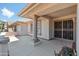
x=24 y=47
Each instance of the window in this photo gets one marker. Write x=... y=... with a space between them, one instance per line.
x=68 y=29
x=63 y=29
x=68 y=24
x=58 y=25
x=58 y=34
x=68 y=35
x=58 y=29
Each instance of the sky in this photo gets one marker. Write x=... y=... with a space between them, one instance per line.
x=9 y=11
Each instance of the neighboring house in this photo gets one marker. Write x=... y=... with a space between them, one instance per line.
x=22 y=28
x=11 y=27
x=6 y=27
x=2 y=26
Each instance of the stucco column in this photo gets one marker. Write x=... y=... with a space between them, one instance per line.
x=35 y=38
x=77 y=30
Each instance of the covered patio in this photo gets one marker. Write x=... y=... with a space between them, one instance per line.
x=56 y=20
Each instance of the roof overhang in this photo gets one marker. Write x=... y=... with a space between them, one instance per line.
x=23 y=23
x=19 y=24
x=42 y=9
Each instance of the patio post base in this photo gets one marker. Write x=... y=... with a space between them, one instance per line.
x=36 y=42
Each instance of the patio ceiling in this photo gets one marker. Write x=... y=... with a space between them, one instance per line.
x=51 y=9
x=64 y=12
